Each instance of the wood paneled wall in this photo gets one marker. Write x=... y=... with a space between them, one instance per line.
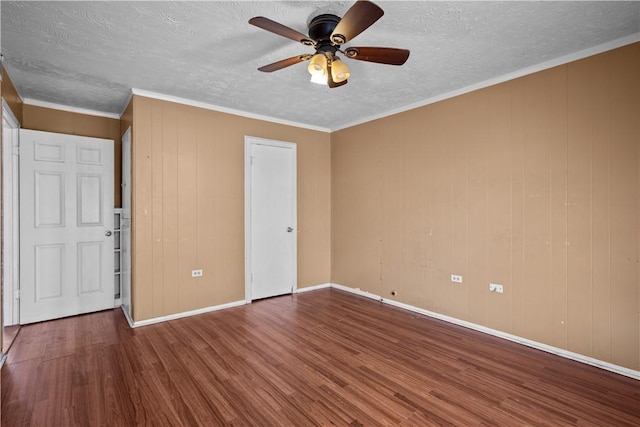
x=188 y=205
x=59 y=121
x=533 y=184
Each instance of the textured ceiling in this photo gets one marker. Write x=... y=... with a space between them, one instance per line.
x=90 y=55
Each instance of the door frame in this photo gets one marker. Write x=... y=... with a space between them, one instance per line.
x=249 y=141
x=10 y=220
x=126 y=170
x=125 y=224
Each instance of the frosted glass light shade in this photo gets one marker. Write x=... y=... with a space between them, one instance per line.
x=318 y=65
x=339 y=71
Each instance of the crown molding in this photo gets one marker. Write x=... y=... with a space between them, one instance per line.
x=61 y=107
x=614 y=44
x=213 y=107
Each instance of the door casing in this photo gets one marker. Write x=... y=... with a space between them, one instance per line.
x=11 y=218
x=125 y=226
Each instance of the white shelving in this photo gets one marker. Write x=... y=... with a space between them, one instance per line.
x=117 y=252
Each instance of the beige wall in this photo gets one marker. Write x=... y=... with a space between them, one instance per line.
x=188 y=205
x=58 y=121
x=10 y=95
x=533 y=184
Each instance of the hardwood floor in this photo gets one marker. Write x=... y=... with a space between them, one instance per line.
x=9 y=334
x=319 y=358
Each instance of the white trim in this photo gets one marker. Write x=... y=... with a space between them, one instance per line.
x=11 y=219
x=125 y=225
x=313 y=288
x=614 y=44
x=190 y=313
x=3 y=358
x=248 y=142
x=118 y=302
x=357 y=291
x=126 y=316
x=631 y=373
x=54 y=106
x=247 y=221
x=6 y=109
x=213 y=107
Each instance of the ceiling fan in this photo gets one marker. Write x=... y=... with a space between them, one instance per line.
x=327 y=34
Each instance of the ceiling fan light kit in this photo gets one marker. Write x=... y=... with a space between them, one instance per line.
x=327 y=34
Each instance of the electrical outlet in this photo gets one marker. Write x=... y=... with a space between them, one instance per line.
x=494 y=287
x=456 y=278
x=196 y=273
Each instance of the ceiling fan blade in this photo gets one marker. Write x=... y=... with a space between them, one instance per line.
x=357 y=19
x=330 y=81
x=281 y=30
x=284 y=63
x=381 y=55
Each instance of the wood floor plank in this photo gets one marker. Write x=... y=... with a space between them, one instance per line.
x=318 y=358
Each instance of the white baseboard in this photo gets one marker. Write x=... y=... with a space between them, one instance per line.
x=126 y=316
x=3 y=358
x=631 y=373
x=313 y=288
x=160 y=319
x=357 y=291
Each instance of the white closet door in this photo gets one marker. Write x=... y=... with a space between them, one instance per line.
x=272 y=210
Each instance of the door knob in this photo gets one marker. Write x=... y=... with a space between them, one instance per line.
x=107 y=233
x=289 y=229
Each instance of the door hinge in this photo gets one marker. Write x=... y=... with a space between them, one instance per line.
x=17 y=294
x=16 y=150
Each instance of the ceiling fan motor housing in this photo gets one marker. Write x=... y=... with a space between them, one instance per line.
x=321 y=27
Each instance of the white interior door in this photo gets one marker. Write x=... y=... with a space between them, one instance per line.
x=271 y=218
x=66 y=227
